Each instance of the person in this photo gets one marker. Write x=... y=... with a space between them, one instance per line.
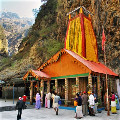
x=79 y=106
x=56 y=105
x=53 y=95
x=117 y=101
x=38 y=103
x=75 y=103
x=48 y=100
x=19 y=106
x=91 y=103
x=51 y=100
x=84 y=103
x=24 y=97
x=96 y=103
x=113 y=103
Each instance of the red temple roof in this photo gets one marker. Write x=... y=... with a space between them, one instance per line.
x=36 y=74
x=93 y=66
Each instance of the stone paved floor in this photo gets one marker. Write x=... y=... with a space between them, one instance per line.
x=49 y=114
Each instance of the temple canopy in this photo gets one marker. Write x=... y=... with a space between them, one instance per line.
x=37 y=74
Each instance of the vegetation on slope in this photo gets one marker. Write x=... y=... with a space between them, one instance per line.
x=3 y=42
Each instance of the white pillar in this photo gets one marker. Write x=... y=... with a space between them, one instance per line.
x=77 y=84
x=31 y=92
x=90 y=82
x=66 y=90
x=56 y=85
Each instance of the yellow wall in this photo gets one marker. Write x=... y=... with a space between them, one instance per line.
x=66 y=65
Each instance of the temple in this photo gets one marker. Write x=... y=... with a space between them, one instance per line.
x=74 y=68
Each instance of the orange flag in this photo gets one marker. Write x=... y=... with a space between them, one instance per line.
x=103 y=40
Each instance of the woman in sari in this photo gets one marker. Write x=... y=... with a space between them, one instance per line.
x=113 y=103
x=117 y=102
x=38 y=103
x=79 y=106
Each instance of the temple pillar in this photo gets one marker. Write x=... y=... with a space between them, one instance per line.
x=37 y=86
x=99 y=89
x=90 y=82
x=66 y=91
x=31 y=92
x=42 y=90
x=98 y=86
x=115 y=86
x=56 y=85
x=77 y=84
x=48 y=86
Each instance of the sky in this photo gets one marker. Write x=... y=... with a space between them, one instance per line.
x=22 y=7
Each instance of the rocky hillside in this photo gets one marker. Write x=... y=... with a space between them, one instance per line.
x=47 y=35
x=3 y=42
x=16 y=29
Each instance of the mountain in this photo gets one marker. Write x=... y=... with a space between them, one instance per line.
x=9 y=15
x=47 y=35
x=16 y=29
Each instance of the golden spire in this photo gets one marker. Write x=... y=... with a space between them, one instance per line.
x=69 y=16
x=89 y=16
x=81 y=10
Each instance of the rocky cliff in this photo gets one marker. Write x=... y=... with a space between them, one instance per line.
x=15 y=29
x=3 y=42
x=47 y=35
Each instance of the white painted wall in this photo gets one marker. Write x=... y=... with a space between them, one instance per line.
x=118 y=87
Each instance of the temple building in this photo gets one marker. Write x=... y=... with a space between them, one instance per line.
x=74 y=68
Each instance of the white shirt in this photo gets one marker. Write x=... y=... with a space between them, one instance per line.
x=48 y=96
x=91 y=100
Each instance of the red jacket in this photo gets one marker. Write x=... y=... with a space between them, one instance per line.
x=24 y=98
x=113 y=97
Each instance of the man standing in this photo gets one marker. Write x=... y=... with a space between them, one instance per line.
x=55 y=105
x=96 y=103
x=48 y=100
x=19 y=106
x=91 y=104
x=24 y=97
x=84 y=104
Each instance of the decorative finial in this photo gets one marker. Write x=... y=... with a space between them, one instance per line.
x=89 y=16
x=69 y=16
x=81 y=10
